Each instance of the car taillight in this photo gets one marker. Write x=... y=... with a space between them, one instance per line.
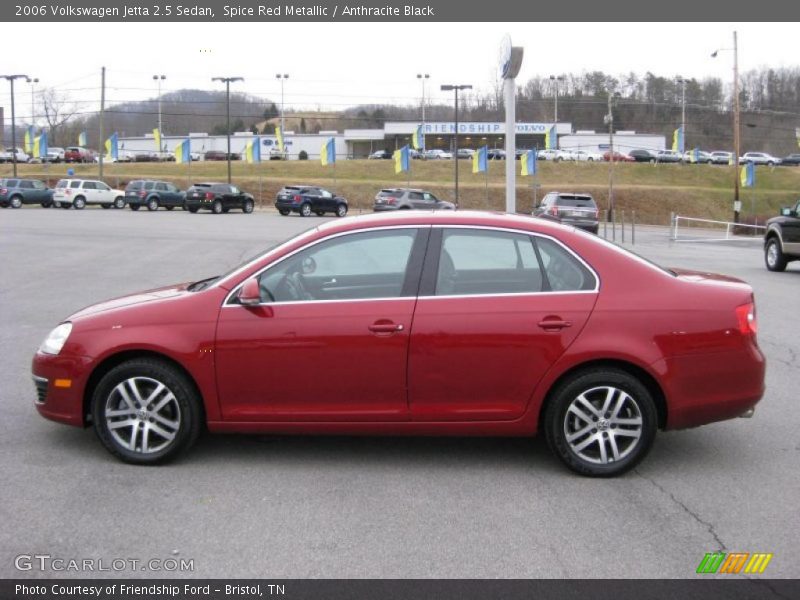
x=68 y=192
x=209 y=196
x=142 y=194
x=554 y=211
x=746 y=317
x=297 y=198
x=3 y=191
x=391 y=201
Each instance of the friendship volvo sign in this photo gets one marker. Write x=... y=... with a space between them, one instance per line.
x=448 y=128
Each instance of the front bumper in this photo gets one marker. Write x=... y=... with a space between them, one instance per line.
x=60 y=382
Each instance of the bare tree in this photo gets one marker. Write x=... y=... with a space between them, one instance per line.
x=58 y=110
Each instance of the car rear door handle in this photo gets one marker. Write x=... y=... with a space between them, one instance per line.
x=554 y=324
x=385 y=327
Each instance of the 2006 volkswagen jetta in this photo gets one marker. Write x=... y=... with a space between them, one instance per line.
x=415 y=323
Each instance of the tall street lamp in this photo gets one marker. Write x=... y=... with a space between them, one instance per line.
x=736 y=127
x=609 y=118
x=423 y=77
x=33 y=82
x=158 y=79
x=227 y=81
x=283 y=77
x=555 y=80
x=455 y=88
x=11 y=79
x=683 y=82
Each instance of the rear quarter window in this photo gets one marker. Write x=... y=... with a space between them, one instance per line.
x=565 y=273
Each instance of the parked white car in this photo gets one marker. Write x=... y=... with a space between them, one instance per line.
x=721 y=157
x=437 y=154
x=554 y=155
x=80 y=192
x=760 y=158
x=585 y=156
x=8 y=155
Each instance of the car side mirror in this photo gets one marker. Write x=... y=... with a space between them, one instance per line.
x=250 y=293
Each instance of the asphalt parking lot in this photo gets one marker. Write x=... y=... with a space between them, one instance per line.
x=265 y=506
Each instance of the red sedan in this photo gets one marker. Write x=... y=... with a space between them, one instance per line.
x=618 y=157
x=451 y=323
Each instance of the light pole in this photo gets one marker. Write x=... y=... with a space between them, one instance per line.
x=609 y=118
x=227 y=81
x=455 y=88
x=423 y=77
x=682 y=81
x=282 y=78
x=158 y=79
x=555 y=80
x=33 y=83
x=736 y=125
x=11 y=79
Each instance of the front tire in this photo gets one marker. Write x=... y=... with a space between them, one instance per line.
x=248 y=206
x=600 y=422
x=341 y=210
x=119 y=202
x=774 y=257
x=146 y=411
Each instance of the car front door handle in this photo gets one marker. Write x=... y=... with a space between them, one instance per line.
x=554 y=324
x=384 y=327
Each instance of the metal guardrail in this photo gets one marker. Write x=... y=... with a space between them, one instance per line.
x=712 y=230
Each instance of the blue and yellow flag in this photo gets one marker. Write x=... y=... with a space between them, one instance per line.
x=182 y=152
x=418 y=139
x=677 y=140
x=401 y=162
x=279 y=136
x=112 y=147
x=551 y=139
x=480 y=160
x=29 y=140
x=797 y=134
x=747 y=175
x=157 y=138
x=529 y=164
x=328 y=154
x=695 y=156
x=40 y=146
x=83 y=139
x=252 y=152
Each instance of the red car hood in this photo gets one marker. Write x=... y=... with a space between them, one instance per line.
x=137 y=298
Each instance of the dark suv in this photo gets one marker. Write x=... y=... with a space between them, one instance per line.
x=152 y=194
x=16 y=192
x=578 y=210
x=308 y=199
x=782 y=240
x=218 y=198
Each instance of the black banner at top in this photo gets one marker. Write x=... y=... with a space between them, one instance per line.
x=395 y=10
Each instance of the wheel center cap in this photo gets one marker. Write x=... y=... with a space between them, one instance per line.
x=602 y=425
x=141 y=414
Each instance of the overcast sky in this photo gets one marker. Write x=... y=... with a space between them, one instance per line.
x=334 y=65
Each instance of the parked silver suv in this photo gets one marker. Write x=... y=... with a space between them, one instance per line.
x=405 y=199
x=578 y=210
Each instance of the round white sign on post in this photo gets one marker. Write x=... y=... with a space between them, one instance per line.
x=504 y=57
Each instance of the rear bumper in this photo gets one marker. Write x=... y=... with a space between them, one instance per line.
x=705 y=388
x=197 y=203
x=287 y=205
x=383 y=208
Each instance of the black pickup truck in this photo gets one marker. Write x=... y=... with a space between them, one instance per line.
x=782 y=240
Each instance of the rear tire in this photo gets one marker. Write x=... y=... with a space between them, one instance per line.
x=216 y=208
x=774 y=257
x=79 y=203
x=305 y=210
x=144 y=433
x=16 y=202
x=152 y=205
x=600 y=422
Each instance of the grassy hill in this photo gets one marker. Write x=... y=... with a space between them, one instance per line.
x=653 y=191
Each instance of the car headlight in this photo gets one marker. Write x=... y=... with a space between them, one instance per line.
x=56 y=339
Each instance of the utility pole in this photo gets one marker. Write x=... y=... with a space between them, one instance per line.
x=33 y=83
x=609 y=118
x=682 y=81
x=102 y=114
x=158 y=79
x=423 y=77
x=282 y=78
x=455 y=88
x=227 y=81
x=555 y=81
x=11 y=79
x=736 y=130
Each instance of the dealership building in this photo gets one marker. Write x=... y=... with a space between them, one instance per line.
x=360 y=143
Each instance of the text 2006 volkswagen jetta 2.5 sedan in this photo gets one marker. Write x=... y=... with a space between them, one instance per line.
x=415 y=323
